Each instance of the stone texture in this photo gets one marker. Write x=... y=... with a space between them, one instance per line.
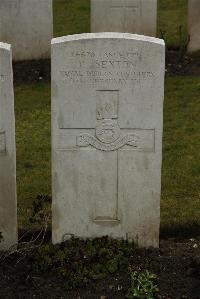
x=133 y=16
x=194 y=25
x=107 y=115
x=28 y=26
x=8 y=204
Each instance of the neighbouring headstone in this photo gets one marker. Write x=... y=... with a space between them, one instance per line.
x=8 y=201
x=28 y=26
x=194 y=25
x=107 y=117
x=133 y=16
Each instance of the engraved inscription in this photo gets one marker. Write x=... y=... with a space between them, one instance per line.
x=125 y=6
x=102 y=76
x=118 y=55
x=110 y=67
x=2 y=142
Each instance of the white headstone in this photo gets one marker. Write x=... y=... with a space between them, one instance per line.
x=107 y=116
x=28 y=26
x=8 y=204
x=194 y=25
x=133 y=16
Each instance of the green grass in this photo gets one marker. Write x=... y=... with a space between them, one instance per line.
x=180 y=203
x=172 y=14
x=181 y=152
x=73 y=16
x=32 y=112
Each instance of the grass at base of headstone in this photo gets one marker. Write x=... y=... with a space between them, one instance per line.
x=180 y=203
x=32 y=109
x=73 y=16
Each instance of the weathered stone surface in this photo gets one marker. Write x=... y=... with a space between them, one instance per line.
x=133 y=16
x=194 y=25
x=8 y=204
x=107 y=107
x=28 y=26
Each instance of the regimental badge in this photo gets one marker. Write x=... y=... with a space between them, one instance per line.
x=108 y=136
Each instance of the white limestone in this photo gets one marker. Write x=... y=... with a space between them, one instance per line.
x=194 y=25
x=28 y=26
x=8 y=209
x=107 y=115
x=133 y=16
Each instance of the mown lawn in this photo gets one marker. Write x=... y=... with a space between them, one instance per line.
x=32 y=113
x=71 y=16
x=172 y=21
x=180 y=204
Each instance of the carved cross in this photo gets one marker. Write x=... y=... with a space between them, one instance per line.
x=109 y=139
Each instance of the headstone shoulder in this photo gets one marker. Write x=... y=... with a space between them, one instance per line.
x=107 y=35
